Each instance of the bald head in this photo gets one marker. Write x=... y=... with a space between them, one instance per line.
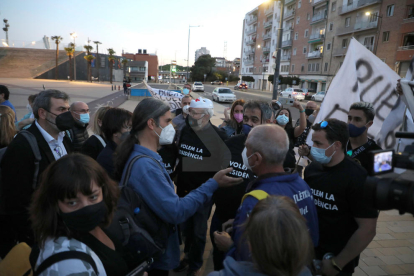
x=311 y=105
x=271 y=141
x=79 y=107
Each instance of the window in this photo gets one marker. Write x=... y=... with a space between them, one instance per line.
x=350 y=2
x=347 y=21
x=328 y=46
x=344 y=42
x=304 y=50
x=309 y=67
x=306 y=33
x=293 y=67
x=385 y=36
x=302 y=68
x=383 y=59
x=390 y=10
x=373 y=17
x=331 y=26
x=326 y=67
x=296 y=36
x=340 y=64
x=313 y=66
x=299 y=5
x=294 y=51
x=273 y=42
x=308 y=16
x=297 y=19
x=317 y=67
x=333 y=6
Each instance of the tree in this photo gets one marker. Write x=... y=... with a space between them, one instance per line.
x=89 y=59
x=203 y=65
x=69 y=52
x=286 y=80
x=111 y=59
x=124 y=63
x=248 y=78
x=218 y=76
x=57 y=40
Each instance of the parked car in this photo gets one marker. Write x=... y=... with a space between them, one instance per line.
x=223 y=95
x=198 y=86
x=308 y=93
x=217 y=82
x=293 y=93
x=319 y=96
x=240 y=86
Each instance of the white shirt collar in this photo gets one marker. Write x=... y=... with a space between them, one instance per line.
x=49 y=137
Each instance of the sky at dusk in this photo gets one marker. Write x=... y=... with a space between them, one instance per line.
x=158 y=26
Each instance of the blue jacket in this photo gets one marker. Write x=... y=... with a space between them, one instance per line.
x=290 y=185
x=155 y=187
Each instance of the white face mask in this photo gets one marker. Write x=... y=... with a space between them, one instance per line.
x=167 y=135
x=29 y=108
x=186 y=109
x=246 y=159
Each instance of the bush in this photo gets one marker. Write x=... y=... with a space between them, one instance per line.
x=248 y=78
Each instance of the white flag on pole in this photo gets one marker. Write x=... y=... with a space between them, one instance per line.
x=171 y=97
x=362 y=77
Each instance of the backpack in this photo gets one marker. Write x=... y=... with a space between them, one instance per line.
x=136 y=225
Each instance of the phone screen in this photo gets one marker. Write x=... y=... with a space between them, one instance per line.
x=383 y=162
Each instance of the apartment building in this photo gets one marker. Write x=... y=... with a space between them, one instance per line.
x=200 y=52
x=258 y=44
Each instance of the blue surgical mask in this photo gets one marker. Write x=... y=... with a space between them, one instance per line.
x=355 y=131
x=84 y=118
x=186 y=91
x=246 y=129
x=282 y=120
x=319 y=155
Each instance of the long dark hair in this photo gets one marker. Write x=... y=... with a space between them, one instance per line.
x=114 y=120
x=145 y=110
x=289 y=124
x=64 y=179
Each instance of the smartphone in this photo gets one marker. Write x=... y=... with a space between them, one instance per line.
x=286 y=101
x=381 y=162
x=139 y=270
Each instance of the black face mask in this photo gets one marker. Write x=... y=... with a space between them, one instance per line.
x=309 y=111
x=65 y=121
x=85 y=219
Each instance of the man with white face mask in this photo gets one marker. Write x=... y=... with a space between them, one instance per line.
x=201 y=152
x=179 y=120
x=264 y=154
x=346 y=223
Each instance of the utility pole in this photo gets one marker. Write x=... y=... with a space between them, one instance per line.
x=278 y=52
x=74 y=35
x=188 y=48
x=6 y=29
x=98 y=61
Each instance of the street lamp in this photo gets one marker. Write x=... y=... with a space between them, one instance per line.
x=6 y=29
x=188 y=49
x=278 y=52
x=74 y=35
x=98 y=62
x=261 y=61
x=379 y=28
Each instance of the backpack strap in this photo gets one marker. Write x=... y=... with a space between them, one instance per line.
x=258 y=194
x=67 y=255
x=68 y=134
x=35 y=148
x=100 y=139
x=129 y=168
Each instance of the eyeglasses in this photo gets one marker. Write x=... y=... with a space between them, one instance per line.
x=59 y=151
x=193 y=113
x=324 y=124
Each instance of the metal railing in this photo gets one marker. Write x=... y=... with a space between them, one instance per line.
x=365 y=25
x=287 y=43
x=319 y=16
x=314 y=54
x=315 y=2
x=404 y=48
x=266 y=49
x=357 y=4
x=250 y=52
x=266 y=60
x=268 y=11
x=268 y=24
x=251 y=31
x=251 y=41
x=289 y=1
x=250 y=21
x=285 y=58
x=316 y=36
x=340 y=52
x=267 y=36
x=289 y=13
x=288 y=28
x=248 y=62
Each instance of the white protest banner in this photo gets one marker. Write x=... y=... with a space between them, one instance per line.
x=171 y=97
x=362 y=77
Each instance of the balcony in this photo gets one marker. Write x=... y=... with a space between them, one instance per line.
x=405 y=53
x=267 y=36
x=250 y=52
x=248 y=62
x=252 y=20
x=251 y=42
x=266 y=49
x=289 y=13
x=287 y=43
x=316 y=36
x=268 y=24
x=319 y=17
x=265 y=60
x=340 y=52
x=285 y=58
x=317 y=2
x=289 y=1
x=288 y=28
x=314 y=54
x=408 y=19
x=251 y=31
x=356 y=5
x=269 y=11
x=359 y=27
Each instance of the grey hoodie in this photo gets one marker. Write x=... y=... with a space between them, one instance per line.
x=233 y=268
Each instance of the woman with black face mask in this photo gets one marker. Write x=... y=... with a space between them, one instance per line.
x=74 y=202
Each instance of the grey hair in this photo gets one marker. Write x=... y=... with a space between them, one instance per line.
x=262 y=140
x=145 y=110
x=366 y=107
x=43 y=100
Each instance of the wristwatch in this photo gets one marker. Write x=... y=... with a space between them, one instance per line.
x=335 y=265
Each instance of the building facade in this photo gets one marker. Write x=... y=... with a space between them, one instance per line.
x=201 y=52
x=152 y=60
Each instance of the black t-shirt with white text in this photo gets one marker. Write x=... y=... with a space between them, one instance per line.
x=362 y=153
x=338 y=193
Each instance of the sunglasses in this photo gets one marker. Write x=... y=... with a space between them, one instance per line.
x=324 y=124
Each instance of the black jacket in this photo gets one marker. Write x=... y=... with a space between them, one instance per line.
x=78 y=134
x=106 y=158
x=92 y=147
x=17 y=170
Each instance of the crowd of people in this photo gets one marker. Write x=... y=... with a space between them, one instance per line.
x=60 y=187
